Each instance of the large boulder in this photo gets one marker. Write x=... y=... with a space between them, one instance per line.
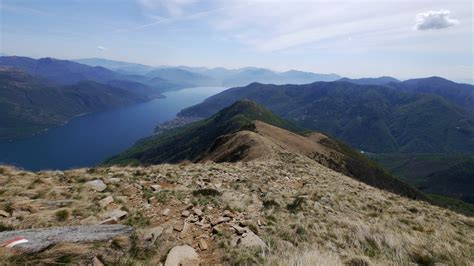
x=182 y=255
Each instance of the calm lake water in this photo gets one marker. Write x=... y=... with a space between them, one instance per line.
x=87 y=140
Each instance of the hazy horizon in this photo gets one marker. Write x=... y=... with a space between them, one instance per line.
x=408 y=39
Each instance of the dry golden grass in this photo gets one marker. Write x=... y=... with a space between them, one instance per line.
x=306 y=257
x=306 y=213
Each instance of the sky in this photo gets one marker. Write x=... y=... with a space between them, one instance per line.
x=403 y=39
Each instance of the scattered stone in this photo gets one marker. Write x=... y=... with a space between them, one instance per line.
x=97 y=185
x=156 y=188
x=96 y=262
x=202 y=244
x=109 y=221
x=220 y=220
x=198 y=212
x=182 y=255
x=250 y=239
x=178 y=226
x=40 y=239
x=218 y=229
x=166 y=212
x=113 y=180
x=106 y=201
x=116 y=214
x=239 y=229
x=152 y=200
x=185 y=213
x=152 y=234
x=228 y=213
x=193 y=219
x=4 y=213
x=186 y=230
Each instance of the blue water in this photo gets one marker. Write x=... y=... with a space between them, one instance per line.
x=88 y=140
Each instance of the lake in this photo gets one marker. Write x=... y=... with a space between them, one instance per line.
x=88 y=140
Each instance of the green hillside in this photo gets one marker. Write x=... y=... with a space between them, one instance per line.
x=372 y=118
x=441 y=175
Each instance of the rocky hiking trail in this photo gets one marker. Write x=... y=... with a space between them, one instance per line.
x=274 y=211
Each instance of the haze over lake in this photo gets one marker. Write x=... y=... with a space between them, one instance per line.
x=87 y=140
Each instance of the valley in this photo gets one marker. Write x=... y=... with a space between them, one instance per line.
x=89 y=139
x=264 y=192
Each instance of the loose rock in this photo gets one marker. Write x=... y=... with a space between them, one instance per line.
x=106 y=201
x=97 y=185
x=96 y=262
x=152 y=234
x=156 y=188
x=220 y=220
x=250 y=239
x=198 y=212
x=202 y=244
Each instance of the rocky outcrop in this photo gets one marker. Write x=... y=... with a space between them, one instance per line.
x=40 y=239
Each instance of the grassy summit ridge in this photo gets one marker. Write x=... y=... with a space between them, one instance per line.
x=191 y=141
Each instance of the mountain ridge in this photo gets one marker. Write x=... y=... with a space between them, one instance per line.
x=368 y=117
x=245 y=131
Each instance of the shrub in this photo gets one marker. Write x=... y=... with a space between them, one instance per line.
x=208 y=192
x=296 y=205
x=62 y=215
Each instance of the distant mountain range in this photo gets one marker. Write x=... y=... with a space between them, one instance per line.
x=368 y=117
x=212 y=76
x=372 y=81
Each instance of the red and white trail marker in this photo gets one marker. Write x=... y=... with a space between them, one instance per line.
x=13 y=242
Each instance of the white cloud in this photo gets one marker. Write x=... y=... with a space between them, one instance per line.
x=101 y=48
x=174 y=8
x=434 y=20
x=279 y=25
